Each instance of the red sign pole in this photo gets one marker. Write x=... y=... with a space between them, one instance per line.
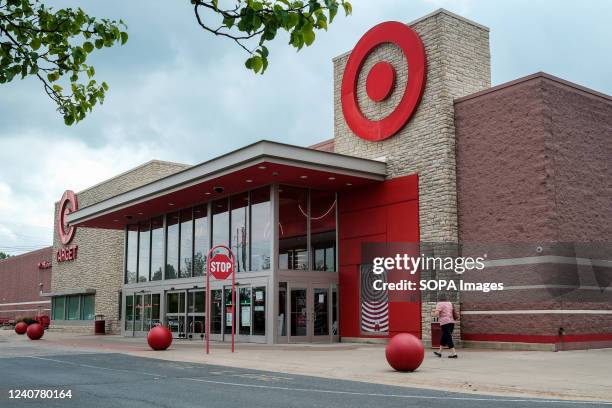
x=208 y=303
x=234 y=320
x=222 y=271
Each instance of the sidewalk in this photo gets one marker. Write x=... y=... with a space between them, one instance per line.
x=583 y=374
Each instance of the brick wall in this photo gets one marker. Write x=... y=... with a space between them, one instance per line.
x=21 y=280
x=99 y=264
x=533 y=166
x=458 y=64
x=538 y=146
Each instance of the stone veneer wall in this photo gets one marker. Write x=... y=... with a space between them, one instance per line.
x=458 y=64
x=99 y=264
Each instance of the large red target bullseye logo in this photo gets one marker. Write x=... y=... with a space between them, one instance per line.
x=381 y=80
x=67 y=204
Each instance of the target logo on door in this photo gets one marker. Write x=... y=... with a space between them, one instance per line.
x=381 y=81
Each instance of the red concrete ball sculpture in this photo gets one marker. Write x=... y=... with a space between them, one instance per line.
x=159 y=338
x=21 y=327
x=405 y=352
x=35 y=331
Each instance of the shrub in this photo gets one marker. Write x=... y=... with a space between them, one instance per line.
x=26 y=319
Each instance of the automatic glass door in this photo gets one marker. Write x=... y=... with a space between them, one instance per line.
x=175 y=313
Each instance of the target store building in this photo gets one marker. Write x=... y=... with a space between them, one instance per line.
x=424 y=150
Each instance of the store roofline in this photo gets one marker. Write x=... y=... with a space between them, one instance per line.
x=123 y=173
x=259 y=152
x=531 y=77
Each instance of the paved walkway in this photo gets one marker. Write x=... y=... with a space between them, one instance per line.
x=565 y=375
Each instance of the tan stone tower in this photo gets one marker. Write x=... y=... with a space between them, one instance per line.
x=458 y=64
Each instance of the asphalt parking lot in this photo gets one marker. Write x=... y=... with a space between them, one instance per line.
x=118 y=380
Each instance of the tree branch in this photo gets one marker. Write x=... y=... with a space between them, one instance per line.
x=217 y=31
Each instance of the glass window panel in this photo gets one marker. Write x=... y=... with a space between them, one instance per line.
x=196 y=301
x=323 y=230
x=215 y=307
x=89 y=308
x=155 y=300
x=220 y=222
x=261 y=231
x=199 y=301
x=293 y=218
x=73 y=307
x=321 y=316
x=245 y=312
x=186 y=243
x=129 y=312
x=173 y=302
x=201 y=244
x=58 y=308
x=259 y=311
x=157 y=248
x=198 y=326
x=299 y=313
x=335 y=325
x=138 y=313
x=144 y=243
x=146 y=307
x=172 y=243
x=131 y=263
x=239 y=204
x=190 y=302
x=282 y=308
x=181 y=302
x=229 y=319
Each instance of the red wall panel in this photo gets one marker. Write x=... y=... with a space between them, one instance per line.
x=386 y=212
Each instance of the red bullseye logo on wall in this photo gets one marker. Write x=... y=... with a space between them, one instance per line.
x=67 y=204
x=380 y=81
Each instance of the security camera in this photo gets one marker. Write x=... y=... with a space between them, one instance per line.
x=218 y=189
x=539 y=249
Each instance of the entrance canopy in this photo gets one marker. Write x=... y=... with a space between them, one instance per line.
x=255 y=165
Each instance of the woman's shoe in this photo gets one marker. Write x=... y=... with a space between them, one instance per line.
x=438 y=354
x=453 y=356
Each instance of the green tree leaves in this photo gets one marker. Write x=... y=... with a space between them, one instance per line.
x=53 y=46
x=251 y=23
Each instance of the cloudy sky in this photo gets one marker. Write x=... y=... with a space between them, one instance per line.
x=179 y=94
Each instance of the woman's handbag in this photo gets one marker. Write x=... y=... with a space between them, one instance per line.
x=455 y=313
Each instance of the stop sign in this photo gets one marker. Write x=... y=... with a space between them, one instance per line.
x=221 y=266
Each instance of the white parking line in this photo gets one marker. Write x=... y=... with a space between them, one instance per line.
x=338 y=392
x=98 y=367
x=407 y=396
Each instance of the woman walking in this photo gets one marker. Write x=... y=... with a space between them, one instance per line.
x=445 y=313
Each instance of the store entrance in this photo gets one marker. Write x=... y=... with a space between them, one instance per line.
x=312 y=311
x=175 y=313
x=185 y=313
x=249 y=313
x=196 y=315
x=141 y=312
